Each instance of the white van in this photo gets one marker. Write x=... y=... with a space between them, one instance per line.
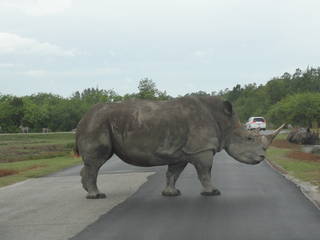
x=256 y=123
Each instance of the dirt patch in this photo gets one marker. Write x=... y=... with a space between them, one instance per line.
x=304 y=156
x=33 y=167
x=7 y=172
x=37 y=147
x=282 y=143
x=295 y=153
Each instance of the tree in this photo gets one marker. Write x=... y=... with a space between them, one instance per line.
x=199 y=93
x=11 y=109
x=300 y=109
x=35 y=116
x=147 y=90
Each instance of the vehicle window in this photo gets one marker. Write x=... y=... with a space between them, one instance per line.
x=258 y=120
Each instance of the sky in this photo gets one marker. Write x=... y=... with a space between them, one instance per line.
x=63 y=46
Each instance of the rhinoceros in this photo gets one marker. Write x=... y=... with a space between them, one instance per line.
x=173 y=132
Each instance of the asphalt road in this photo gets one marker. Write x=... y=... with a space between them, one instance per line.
x=256 y=203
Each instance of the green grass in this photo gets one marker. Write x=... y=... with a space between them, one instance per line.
x=282 y=136
x=35 y=168
x=19 y=147
x=304 y=170
x=24 y=156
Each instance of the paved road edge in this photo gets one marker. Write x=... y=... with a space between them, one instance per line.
x=312 y=192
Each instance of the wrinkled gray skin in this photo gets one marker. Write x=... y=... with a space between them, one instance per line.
x=174 y=133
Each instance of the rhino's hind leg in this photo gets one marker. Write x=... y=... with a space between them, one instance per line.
x=203 y=165
x=172 y=175
x=89 y=174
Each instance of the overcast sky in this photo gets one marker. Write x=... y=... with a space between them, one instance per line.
x=62 y=46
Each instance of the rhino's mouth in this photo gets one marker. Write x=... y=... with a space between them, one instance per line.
x=253 y=160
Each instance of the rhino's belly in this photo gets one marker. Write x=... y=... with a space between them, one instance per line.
x=143 y=148
x=145 y=159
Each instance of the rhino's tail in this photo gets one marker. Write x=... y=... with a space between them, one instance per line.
x=76 y=150
x=75 y=146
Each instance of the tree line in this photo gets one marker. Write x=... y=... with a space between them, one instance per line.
x=291 y=98
x=46 y=110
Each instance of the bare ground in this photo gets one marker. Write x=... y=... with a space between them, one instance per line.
x=295 y=153
x=283 y=143
x=304 y=156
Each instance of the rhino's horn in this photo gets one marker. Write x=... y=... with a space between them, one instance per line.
x=267 y=139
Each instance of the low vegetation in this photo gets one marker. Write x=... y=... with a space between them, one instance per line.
x=25 y=156
x=291 y=159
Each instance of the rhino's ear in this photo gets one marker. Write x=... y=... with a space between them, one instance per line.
x=227 y=108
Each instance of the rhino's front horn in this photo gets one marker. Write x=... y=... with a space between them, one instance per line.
x=267 y=139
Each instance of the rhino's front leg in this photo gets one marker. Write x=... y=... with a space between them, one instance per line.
x=203 y=164
x=172 y=175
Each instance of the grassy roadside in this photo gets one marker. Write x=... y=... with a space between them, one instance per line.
x=20 y=147
x=34 y=155
x=290 y=158
x=20 y=171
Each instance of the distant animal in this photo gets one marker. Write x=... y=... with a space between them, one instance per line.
x=24 y=129
x=45 y=130
x=303 y=136
x=173 y=132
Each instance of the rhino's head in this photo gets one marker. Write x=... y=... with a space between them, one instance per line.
x=249 y=147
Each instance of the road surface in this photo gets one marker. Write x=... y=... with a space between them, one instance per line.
x=55 y=207
x=256 y=203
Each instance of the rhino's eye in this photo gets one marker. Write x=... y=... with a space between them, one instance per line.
x=250 y=138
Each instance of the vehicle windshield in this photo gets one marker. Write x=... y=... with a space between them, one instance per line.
x=258 y=120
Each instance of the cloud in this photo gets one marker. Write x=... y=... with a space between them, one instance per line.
x=38 y=7
x=103 y=71
x=203 y=53
x=6 y=65
x=35 y=73
x=200 y=53
x=107 y=71
x=11 y=43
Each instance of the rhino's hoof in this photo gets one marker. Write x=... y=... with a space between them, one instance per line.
x=214 y=192
x=96 y=196
x=171 y=193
